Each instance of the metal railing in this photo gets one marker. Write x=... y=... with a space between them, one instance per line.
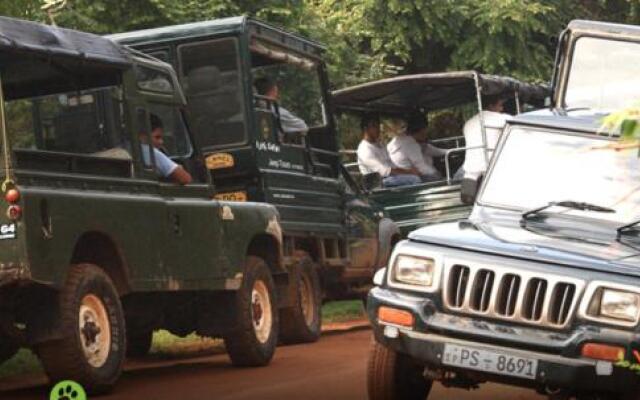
x=456 y=150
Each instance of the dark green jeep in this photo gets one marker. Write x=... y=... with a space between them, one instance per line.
x=334 y=240
x=454 y=95
x=97 y=251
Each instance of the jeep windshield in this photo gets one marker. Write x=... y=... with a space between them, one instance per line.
x=535 y=167
x=604 y=74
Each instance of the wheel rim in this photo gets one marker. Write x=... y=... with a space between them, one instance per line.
x=307 y=301
x=95 y=330
x=261 y=311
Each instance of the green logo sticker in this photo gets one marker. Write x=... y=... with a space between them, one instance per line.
x=67 y=390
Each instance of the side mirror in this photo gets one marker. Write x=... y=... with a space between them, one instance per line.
x=378 y=278
x=371 y=181
x=469 y=189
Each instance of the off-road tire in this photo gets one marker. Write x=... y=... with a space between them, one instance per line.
x=65 y=358
x=394 y=376
x=242 y=342
x=296 y=326
x=139 y=343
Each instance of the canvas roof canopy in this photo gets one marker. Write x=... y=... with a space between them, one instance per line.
x=434 y=91
x=37 y=59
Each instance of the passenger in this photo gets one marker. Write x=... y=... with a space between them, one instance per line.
x=494 y=121
x=411 y=150
x=373 y=157
x=288 y=121
x=165 y=167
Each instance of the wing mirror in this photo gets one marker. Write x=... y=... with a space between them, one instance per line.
x=378 y=278
x=469 y=189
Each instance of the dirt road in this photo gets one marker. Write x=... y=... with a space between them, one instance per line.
x=333 y=369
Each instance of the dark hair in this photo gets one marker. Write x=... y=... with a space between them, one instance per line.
x=491 y=99
x=264 y=84
x=416 y=121
x=156 y=122
x=369 y=119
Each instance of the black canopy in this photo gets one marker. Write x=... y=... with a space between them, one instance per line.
x=430 y=91
x=37 y=59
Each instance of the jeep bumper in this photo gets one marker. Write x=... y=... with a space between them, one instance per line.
x=559 y=364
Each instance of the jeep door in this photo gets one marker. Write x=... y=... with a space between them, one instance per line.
x=191 y=230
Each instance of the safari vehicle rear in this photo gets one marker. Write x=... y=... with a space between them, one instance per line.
x=538 y=288
x=334 y=240
x=456 y=96
x=96 y=250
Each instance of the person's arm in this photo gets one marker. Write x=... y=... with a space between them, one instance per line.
x=169 y=169
x=434 y=151
x=413 y=152
x=291 y=123
x=181 y=176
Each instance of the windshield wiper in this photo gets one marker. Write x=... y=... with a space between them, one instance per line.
x=574 y=205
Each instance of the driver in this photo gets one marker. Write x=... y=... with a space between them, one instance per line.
x=289 y=123
x=165 y=167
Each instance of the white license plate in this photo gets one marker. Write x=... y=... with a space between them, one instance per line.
x=489 y=361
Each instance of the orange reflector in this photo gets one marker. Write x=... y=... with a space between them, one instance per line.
x=12 y=196
x=603 y=352
x=395 y=316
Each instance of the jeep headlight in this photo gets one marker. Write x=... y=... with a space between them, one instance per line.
x=413 y=270
x=620 y=305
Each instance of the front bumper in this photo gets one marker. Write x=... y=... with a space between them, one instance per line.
x=559 y=363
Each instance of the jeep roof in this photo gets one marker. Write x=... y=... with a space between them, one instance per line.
x=432 y=91
x=216 y=27
x=50 y=53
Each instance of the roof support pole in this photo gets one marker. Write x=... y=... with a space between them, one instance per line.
x=516 y=95
x=8 y=182
x=476 y=79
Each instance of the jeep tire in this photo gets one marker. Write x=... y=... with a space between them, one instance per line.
x=394 y=376
x=302 y=322
x=93 y=347
x=252 y=340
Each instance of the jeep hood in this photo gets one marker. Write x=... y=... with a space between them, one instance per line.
x=512 y=240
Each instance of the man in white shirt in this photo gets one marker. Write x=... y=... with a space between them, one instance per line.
x=373 y=157
x=407 y=152
x=475 y=163
x=288 y=121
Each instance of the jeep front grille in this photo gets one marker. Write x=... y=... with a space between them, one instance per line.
x=504 y=293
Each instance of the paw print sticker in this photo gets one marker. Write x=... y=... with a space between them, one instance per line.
x=67 y=390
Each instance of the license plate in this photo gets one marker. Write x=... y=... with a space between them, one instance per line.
x=232 y=196
x=489 y=361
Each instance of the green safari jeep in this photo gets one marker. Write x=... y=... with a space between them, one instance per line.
x=334 y=239
x=96 y=250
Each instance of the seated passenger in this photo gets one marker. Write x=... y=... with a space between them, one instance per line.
x=289 y=123
x=373 y=157
x=494 y=121
x=165 y=167
x=411 y=150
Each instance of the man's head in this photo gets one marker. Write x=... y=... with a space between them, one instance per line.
x=157 y=131
x=493 y=102
x=370 y=125
x=267 y=87
x=417 y=125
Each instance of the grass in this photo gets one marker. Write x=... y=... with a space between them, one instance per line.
x=166 y=345
x=341 y=311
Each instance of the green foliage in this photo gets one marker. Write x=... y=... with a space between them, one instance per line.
x=369 y=39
